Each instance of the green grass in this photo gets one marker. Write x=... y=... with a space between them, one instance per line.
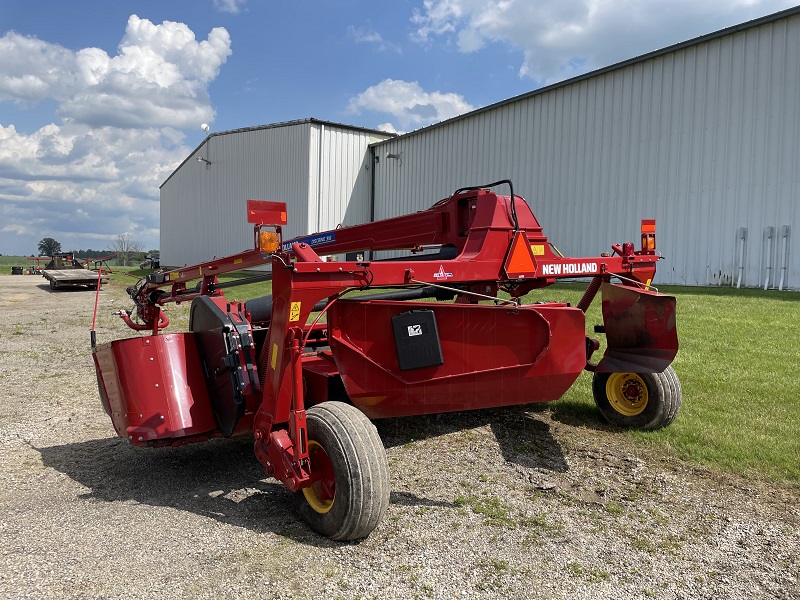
x=738 y=368
x=738 y=361
x=123 y=277
x=6 y=262
x=8 y=259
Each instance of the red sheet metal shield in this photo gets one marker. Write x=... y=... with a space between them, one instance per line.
x=153 y=388
x=492 y=356
x=640 y=330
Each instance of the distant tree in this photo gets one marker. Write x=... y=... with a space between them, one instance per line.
x=90 y=253
x=125 y=248
x=48 y=246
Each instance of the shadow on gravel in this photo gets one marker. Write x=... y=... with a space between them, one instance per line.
x=579 y=413
x=524 y=438
x=219 y=479
x=66 y=289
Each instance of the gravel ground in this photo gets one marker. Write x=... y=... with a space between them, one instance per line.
x=504 y=503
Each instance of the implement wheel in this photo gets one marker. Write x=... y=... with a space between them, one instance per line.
x=350 y=489
x=638 y=400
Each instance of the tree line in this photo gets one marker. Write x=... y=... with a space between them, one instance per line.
x=126 y=250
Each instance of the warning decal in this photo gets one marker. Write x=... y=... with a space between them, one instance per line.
x=294 y=311
x=520 y=261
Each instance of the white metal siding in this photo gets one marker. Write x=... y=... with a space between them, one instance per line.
x=704 y=139
x=203 y=206
x=339 y=162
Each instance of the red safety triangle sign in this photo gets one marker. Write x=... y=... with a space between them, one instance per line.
x=520 y=261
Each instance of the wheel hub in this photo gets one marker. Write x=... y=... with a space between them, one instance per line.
x=322 y=492
x=627 y=393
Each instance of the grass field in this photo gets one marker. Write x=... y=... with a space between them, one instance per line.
x=6 y=262
x=738 y=362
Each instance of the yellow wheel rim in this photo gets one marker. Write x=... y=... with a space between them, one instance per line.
x=627 y=393
x=320 y=495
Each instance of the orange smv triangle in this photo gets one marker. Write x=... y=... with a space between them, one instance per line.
x=520 y=259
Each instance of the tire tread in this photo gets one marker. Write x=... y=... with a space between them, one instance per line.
x=356 y=442
x=664 y=402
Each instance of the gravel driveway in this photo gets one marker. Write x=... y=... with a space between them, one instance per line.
x=492 y=504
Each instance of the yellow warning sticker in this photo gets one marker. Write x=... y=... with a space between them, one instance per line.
x=274 y=358
x=236 y=261
x=537 y=249
x=294 y=311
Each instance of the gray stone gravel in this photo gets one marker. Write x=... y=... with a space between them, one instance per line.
x=493 y=504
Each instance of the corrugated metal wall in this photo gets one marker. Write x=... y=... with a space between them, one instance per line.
x=203 y=205
x=704 y=139
x=339 y=160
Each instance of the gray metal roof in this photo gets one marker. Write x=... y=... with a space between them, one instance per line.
x=300 y=122
x=308 y=121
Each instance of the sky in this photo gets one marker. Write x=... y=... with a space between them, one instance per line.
x=100 y=100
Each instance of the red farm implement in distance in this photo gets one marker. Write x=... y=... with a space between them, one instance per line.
x=37 y=268
x=427 y=334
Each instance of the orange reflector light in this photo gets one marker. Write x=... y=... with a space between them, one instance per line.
x=649 y=235
x=268 y=241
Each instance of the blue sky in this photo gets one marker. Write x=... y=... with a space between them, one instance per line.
x=100 y=100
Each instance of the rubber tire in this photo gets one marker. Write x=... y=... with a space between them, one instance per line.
x=361 y=472
x=663 y=403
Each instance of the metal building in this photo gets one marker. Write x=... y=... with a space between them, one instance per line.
x=703 y=136
x=320 y=169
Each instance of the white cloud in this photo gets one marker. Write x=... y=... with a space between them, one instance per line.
x=31 y=69
x=230 y=6
x=563 y=38
x=388 y=128
x=158 y=78
x=96 y=173
x=106 y=172
x=366 y=34
x=407 y=102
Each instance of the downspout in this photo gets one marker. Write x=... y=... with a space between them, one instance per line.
x=785 y=256
x=374 y=160
x=770 y=235
x=743 y=239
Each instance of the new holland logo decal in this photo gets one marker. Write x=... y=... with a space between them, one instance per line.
x=440 y=274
